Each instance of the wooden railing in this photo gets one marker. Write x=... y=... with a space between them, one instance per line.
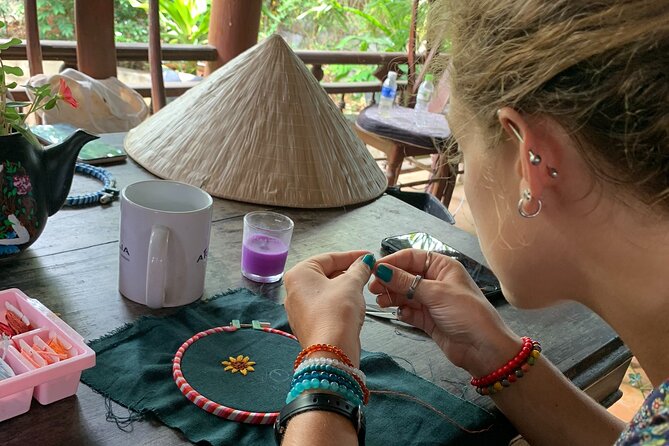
x=66 y=51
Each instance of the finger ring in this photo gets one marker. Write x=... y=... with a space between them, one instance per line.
x=412 y=287
x=428 y=260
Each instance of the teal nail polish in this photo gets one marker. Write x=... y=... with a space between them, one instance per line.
x=369 y=260
x=384 y=273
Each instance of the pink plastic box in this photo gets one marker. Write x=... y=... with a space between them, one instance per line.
x=50 y=382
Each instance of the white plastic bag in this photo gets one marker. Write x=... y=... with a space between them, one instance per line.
x=105 y=105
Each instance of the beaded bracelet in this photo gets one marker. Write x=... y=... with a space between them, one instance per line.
x=333 y=362
x=336 y=351
x=514 y=374
x=322 y=348
x=513 y=364
x=341 y=378
x=324 y=384
x=361 y=383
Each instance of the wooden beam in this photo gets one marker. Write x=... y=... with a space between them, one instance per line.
x=66 y=50
x=233 y=28
x=94 y=28
x=174 y=89
x=33 y=47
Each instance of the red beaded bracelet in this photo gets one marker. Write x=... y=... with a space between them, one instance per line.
x=322 y=348
x=498 y=386
x=507 y=368
x=515 y=373
x=514 y=369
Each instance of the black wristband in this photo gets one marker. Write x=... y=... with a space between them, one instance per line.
x=320 y=401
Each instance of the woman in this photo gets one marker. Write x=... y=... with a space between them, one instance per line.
x=561 y=111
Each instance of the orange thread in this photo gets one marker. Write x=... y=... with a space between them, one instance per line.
x=47 y=355
x=57 y=347
x=30 y=359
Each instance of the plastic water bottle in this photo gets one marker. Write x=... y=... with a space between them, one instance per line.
x=388 y=92
x=423 y=97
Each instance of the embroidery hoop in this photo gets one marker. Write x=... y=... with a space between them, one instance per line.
x=204 y=403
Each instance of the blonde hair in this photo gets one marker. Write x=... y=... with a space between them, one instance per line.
x=600 y=68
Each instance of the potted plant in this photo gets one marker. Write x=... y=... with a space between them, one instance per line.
x=34 y=181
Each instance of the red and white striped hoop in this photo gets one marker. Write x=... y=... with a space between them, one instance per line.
x=204 y=403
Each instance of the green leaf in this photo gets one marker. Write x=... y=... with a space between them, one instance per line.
x=16 y=71
x=51 y=104
x=43 y=90
x=11 y=114
x=15 y=104
x=11 y=42
x=2 y=24
x=11 y=85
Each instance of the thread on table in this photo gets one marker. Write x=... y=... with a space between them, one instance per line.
x=123 y=423
x=431 y=408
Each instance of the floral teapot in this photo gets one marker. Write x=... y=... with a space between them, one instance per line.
x=34 y=183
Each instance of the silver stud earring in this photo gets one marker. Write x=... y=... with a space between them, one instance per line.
x=552 y=171
x=535 y=160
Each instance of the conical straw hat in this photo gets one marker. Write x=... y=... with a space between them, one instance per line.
x=262 y=130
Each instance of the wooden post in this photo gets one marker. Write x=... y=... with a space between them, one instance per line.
x=156 y=58
x=233 y=28
x=33 y=47
x=94 y=30
x=410 y=101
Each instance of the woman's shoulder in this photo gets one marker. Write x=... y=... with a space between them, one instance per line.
x=650 y=425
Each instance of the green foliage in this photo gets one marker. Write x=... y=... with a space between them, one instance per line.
x=354 y=25
x=130 y=24
x=182 y=21
x=55 y=19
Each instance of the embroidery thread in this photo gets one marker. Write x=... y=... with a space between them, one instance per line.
x=240 y=364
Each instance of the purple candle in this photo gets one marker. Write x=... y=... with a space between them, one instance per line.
x=263 y=255
x=265 y=245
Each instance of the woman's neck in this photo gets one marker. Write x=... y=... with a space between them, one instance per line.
x=629 y=288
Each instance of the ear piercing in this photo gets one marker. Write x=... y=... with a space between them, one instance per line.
x=535 y=160
x=527 y=197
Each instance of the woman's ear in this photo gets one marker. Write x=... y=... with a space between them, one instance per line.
x=537 y=165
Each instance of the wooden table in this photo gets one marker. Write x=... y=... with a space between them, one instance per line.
x=73 y=270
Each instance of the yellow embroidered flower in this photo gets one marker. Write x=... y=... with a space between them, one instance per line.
x=239 y=364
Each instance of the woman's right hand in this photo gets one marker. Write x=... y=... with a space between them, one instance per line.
x=448 y=306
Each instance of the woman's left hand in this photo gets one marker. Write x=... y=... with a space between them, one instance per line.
x=325 y=304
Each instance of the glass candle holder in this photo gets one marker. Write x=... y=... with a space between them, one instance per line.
x=265 y=244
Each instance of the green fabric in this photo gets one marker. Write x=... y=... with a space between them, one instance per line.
x=134 y=368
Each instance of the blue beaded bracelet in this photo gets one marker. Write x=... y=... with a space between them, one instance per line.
x=323 y=384
x=330 y=369
x=104 y=196
x=342 y=382
x=335 y=372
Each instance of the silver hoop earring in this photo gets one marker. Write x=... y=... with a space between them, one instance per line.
x=527 y=197
x=535 y=160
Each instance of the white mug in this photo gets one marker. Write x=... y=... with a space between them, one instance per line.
x=164 y=242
